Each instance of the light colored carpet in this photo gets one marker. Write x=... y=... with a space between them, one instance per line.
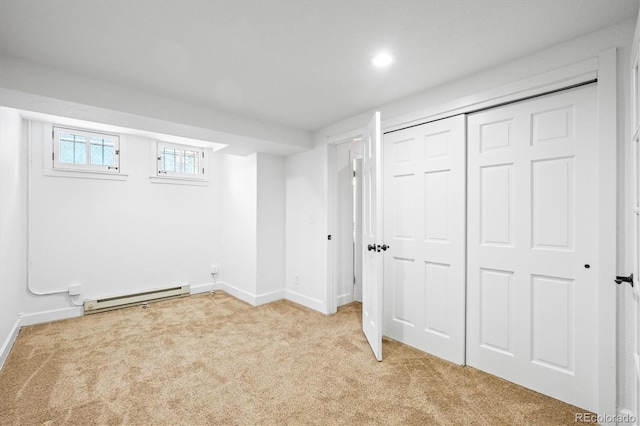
x=214 y=360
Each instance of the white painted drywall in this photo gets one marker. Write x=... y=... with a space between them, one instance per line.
x=555 y=57
x=306 y=230
x=270 y=281
x=118 y=237
x=126 y=236
x=253 y=222
x=13 y=223
x=34 y=87
x=239 y=226
x=306 y=172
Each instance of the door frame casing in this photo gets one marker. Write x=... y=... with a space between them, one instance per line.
x=602 y=68
x=332 y=216
x=635 y=291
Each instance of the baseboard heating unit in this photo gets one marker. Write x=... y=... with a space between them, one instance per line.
x=110 y=303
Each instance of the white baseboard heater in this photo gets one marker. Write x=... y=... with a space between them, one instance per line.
x=110 y=303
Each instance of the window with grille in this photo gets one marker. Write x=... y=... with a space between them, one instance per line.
x=180 y=161
x=82 y=150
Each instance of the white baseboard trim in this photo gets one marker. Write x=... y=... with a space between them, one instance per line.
x=8 y=343
x=202 y=288
x=250 y=298
x=32 y=319
x=309 y=302
x=343 y=299
x=48 y=316
x=236 y=292
x=272 y=296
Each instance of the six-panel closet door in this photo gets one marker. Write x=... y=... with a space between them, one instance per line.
x=532 y=244
x=494 y=227
x=424 y=189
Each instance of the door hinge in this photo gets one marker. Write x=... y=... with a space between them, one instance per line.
x=354 y=173
x=53 y=156
x=203 y=170
x=202 y=154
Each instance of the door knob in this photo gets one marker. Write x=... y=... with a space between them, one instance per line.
x=371 y=247
x=628 y=279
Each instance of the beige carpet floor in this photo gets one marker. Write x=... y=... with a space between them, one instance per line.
x=214 y=360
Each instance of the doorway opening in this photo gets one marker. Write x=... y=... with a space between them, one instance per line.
x=345 y=228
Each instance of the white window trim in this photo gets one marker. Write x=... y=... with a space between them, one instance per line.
x=158 y=176
x=96 y=172
x=57 y=164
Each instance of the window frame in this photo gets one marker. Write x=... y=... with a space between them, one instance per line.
x=162 y=174
x=86 y=167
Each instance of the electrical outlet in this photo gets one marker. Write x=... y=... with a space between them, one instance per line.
x=214 y=269
x=75 y=289
x=296 y=279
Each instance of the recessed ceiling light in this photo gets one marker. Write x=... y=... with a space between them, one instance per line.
x=382 y=60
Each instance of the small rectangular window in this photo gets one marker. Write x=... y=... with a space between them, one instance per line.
x=180 y=161
x=82 y=150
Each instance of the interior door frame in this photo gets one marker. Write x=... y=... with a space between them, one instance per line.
x=635 y=291
x=332 y=216
x=602 y=68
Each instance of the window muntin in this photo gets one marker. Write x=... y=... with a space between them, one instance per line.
x=82 y=150
x=180 y=161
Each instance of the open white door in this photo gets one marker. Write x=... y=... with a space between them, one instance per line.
x=371 y=233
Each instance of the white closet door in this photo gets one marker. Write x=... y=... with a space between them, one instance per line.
x=424 y=178
x=532 y=244
x=371 y=235
x=635 y=292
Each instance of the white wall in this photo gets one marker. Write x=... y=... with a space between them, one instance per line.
x=33 y=87
x=13 y=220
x=253 y=219
x=238 y=269
x=306 y=236
x=270 y=227
x=119 y=237
x=112 y=237
x=555 y=57
x=306 y=172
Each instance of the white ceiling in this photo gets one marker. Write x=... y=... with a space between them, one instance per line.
x=301 y=64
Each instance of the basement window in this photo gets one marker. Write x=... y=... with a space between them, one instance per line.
x=82 y=150
x=180 y=161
